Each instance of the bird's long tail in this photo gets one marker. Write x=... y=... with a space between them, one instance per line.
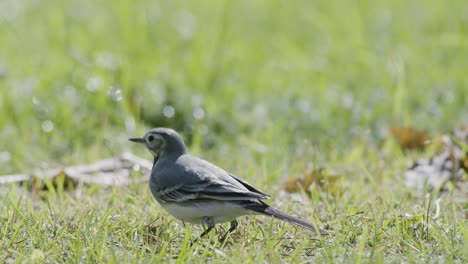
x=275 y=213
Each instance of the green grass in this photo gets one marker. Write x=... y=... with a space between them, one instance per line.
x=265 y=89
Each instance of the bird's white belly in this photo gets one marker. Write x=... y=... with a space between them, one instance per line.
x=193 y=212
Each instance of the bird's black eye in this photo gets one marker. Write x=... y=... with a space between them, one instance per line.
x=150 y=138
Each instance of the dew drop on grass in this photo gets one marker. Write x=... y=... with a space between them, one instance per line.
x=47 y=126
x=198 y=113
x=115 y=94
x=136 y=167
x=94 y=83
x=36 y=101
x=169 y=111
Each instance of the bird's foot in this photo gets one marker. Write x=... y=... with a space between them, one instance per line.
x=234 y=225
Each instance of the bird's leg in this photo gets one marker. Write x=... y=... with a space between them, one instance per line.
x=209 y=223
x=206 y=231
x=234 y=225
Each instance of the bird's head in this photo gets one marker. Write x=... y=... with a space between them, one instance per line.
x=162 y=141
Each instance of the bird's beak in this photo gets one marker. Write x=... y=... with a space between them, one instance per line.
x=139 y=140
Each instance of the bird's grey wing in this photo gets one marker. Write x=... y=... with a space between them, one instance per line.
x=207 y=190
x=191 y=178
x=248 y=186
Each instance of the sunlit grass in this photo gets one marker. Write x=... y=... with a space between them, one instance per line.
x=265 y=89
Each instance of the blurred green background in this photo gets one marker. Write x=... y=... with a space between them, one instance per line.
x=77 y=78
x=268 y=90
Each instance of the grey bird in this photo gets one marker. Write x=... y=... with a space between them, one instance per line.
x=195 y=191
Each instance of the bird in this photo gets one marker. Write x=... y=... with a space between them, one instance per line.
x=196 y=191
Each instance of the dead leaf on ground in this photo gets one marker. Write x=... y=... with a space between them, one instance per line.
x=447 y=166
x=410 y=137
x=318 y=177
x=59 y=180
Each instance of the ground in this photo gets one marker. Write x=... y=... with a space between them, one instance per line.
x=268 y=90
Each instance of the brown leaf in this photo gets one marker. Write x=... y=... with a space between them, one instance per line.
x=317 y=177
x=59 y=180
x=410 y=137
x=448 y=165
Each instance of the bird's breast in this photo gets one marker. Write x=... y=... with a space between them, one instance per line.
x=194 y=211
